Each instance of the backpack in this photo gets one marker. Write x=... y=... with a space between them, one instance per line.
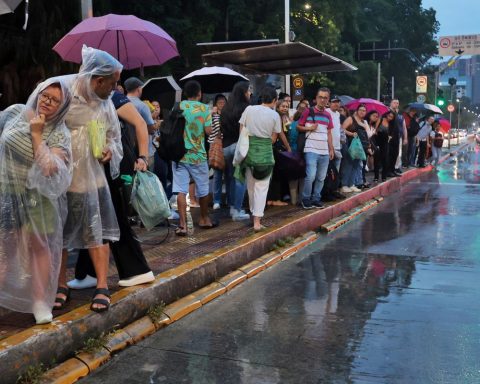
x=172 y=143
x=331 y=183
x=438 y=140
x=301 y=138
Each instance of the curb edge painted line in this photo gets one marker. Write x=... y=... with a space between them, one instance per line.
x=84 y=363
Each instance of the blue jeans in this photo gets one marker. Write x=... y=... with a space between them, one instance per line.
x=412 y=151
x=235 y=190
x=316 y=169
x=351 y=170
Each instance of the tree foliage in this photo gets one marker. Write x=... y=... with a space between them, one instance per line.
x=333 y=26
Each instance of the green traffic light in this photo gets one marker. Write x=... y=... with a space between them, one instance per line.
x=440 y=102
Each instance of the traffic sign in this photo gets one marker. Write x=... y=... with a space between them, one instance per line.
x=421 y=99
x=421 y=84
x=458 y=45
x=298 y=82
x=298 y=92
x=451 y=108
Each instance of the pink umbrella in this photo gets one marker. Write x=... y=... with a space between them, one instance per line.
x=134 y=42
x=371 y=104
x=444 y=125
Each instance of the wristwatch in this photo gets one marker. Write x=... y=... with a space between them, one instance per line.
x=144 y=158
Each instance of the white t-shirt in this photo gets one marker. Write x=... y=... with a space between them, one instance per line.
x=336 y=128
x=261 y=121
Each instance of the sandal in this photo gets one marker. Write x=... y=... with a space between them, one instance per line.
x=180 y=231
x=106 y=303
x=60 y=300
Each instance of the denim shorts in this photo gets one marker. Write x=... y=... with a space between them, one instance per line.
x=182 y=172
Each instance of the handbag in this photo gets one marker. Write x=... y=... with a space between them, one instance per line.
x=216 y=160
x=243 y=144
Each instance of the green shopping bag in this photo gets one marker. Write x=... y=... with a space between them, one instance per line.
x=149 y=199
x=356 y=151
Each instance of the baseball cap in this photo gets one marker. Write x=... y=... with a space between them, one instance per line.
x=334 y=98
x=132 y=83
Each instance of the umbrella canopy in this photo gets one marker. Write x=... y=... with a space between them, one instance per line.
x=215 y=79
x=165 y=90
x=444 y=124
x=134 y=42
x=345 y=99
x=371 y=104
x=426 y=108
x=8 y=6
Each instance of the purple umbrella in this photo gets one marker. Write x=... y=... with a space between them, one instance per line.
x=134 y=42
x=370 y=104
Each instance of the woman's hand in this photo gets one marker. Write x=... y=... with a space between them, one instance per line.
x=37 y=124
x=107 y=156
x=141 y=165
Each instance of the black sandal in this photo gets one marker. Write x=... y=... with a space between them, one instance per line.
x=60 y=300
x=180 y=231
x=106 y=303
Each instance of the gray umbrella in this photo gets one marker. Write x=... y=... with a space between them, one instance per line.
x=344 y=99
x=8 y=6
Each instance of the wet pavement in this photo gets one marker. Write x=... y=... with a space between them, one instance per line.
x=391 y=297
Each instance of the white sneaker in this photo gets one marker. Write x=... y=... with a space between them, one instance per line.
x=173 y=215
x=240 y=215
x=216 y=206
x=232 y=211
x=87 y=282
x=353 y=188
x=346 y=190
x=42 y=313
x=137 y=280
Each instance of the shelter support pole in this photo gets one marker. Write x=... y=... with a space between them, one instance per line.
x=393 y=87
x=287 y=40
x=87 y=9
x=379 y=76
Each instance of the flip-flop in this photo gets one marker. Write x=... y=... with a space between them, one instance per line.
x=262 y=227
x=214 y=225
x=180 y=231
x=104 y=302
x=60 y=300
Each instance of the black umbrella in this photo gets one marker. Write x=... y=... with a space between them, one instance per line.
x=165 y=90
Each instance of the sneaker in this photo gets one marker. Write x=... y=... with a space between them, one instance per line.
x=346 y=190
x=87 y=282
x=240 y=215
x=307 y=204
x=173 y=215
x=137 y=280
x=216 y=206
x=355 y=189
x=232 y=211
x=317 y=204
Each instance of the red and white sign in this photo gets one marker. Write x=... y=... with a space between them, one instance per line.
x=459 y=45
x=451 y=108
x=421 y=84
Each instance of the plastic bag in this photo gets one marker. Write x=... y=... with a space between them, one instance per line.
x=355 y=150
x=241 y=149
x=97 y=134
x=149 y=199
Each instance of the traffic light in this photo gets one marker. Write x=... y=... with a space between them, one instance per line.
x=440 y=99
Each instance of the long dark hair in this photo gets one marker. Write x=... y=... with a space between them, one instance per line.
x=235 y=105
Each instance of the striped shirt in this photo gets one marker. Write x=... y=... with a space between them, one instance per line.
x=215 y=128
x=317 y=141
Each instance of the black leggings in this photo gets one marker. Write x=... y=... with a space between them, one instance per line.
x=381 y=160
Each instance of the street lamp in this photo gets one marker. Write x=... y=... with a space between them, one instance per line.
x=308 y=6
x=458 y=121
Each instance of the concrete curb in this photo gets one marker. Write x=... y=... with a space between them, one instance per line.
x=67 y=333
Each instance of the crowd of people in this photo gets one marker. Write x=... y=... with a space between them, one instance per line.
x=62 y=154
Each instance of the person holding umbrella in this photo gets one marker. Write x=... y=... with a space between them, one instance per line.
x=436 y=139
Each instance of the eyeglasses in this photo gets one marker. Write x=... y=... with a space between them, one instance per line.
x=322 y=97
x=51 y=100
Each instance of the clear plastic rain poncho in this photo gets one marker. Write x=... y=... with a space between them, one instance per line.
x=32 y=202
x=94 y=126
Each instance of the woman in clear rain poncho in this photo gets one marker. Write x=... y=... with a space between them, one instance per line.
x=95 y=129
x=35 y=159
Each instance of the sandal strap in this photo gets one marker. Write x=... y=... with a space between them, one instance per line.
x=60 y=300
x=63 y=290
x=104 y=302
x=101 y=291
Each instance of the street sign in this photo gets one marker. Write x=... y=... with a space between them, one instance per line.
x=458 y=45
x=451 y=108
x=298 y=83
x=421 y=84
x=421 y=99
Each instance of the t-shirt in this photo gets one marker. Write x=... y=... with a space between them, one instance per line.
x=197 y=118
x=424 y=132
x=119 y=99
x=337 y=128
x=144 y=111
x=317 y=141
x=261 y=121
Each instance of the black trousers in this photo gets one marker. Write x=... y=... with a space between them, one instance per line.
x=393 y=151
x=381 y=160
x=127 y=253
x=422 y=153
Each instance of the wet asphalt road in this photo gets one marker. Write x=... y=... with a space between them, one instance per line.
x=391 y=297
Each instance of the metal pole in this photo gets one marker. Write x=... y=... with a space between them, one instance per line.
x=393 y=84
x=287 y=40
x=436 y=87
x=379 y=75
x=450 y=131
x=458 y=122
x=87 y=10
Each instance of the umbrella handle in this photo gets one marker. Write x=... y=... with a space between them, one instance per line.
x=26 y=16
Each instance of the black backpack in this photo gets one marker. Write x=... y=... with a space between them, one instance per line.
x=331 y=183
x=172 y=143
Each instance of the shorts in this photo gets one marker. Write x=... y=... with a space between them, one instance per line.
x=181 y=178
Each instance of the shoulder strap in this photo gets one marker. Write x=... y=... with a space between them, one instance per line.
x=312 y=113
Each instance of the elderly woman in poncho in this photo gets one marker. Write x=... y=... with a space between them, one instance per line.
x=35 y=172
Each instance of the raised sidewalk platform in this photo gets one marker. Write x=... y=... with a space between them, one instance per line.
x=181 y=266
